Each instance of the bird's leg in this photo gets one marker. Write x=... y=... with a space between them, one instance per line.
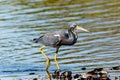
x=55 y=58
x=47 y=59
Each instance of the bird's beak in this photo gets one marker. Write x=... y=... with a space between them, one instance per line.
x=80 y=28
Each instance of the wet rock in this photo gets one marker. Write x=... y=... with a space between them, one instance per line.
x=103 y=76
x=116 y=78
x=77 y=77
x=56 y=74
x=31 y=73
x=67 y=75
x=84 y=68
x=96 y=74
x=115 y=68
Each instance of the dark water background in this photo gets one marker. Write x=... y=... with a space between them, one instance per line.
x=23 y=20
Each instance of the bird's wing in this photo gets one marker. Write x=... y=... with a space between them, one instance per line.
x=62 y=34
x=51 y=39
x=54 y=38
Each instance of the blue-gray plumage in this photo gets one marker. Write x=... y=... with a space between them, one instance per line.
x=52 y=39
x=59 y=38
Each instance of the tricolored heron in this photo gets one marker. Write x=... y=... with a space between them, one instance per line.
x=57 y=39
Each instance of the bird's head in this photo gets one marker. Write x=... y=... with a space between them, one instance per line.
x=75 y=26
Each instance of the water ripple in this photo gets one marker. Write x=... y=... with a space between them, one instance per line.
x=21 y=21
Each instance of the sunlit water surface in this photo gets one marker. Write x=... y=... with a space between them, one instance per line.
x=23 y=20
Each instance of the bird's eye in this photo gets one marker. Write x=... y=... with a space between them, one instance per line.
x=73 y=25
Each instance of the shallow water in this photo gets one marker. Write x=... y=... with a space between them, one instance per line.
x=23 y=20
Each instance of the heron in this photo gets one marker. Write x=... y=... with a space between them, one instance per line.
x=58 y=38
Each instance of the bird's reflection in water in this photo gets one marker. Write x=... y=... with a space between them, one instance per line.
x=48 y=75
x=66 y=75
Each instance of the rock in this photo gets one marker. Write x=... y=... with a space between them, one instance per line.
x=115 y=68
x=56 y=74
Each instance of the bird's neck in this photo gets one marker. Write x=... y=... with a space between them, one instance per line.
x=73 y=36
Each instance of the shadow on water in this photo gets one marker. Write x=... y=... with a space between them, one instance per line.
x=23 y=20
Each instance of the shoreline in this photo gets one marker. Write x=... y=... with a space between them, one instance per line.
x=95 y=74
